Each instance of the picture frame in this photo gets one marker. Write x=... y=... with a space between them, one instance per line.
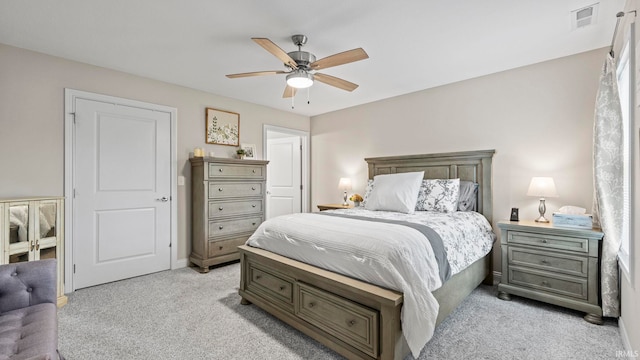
x=222 y=127
x=249 y=151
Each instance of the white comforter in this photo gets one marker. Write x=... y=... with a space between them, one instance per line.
x=389 y=255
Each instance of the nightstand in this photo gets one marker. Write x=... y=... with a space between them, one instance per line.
x=557 y=265
x=333 y=207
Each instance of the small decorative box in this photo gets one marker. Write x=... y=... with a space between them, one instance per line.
x=579 y=221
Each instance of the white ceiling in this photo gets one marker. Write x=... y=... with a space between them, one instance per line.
x=412 y=44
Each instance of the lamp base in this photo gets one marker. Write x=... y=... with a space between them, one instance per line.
x=542 y=219
x=542 y=208
x=345 y=203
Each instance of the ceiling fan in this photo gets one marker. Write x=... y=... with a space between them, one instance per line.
x=302 y=66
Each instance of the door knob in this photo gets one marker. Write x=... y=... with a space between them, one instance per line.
x=163 y=199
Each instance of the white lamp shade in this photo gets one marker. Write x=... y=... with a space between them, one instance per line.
x=344 y=184
x=542 y=187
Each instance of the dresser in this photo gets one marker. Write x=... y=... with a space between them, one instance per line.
x=228 y=200
x=32 y=229
x=557 y=265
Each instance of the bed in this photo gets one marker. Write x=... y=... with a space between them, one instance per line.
x=355 y=318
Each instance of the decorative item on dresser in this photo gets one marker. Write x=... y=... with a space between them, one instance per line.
x=323 y=207
x=557 y=265
x=228 y=197
x=33 y=229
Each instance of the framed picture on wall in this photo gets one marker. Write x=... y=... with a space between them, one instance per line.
x=222 y=127
x=249 y=151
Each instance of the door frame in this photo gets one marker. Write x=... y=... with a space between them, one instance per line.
x=305 y=158
x=70 y=97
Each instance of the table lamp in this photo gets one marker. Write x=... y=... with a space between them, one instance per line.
x=345 y=185
x=542 y=187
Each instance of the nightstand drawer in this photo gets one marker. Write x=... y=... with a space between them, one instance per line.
x=576 y=244
x=550 y=261
x=569 y=286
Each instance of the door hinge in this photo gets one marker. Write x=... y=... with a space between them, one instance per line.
x=300 y=145
x=300 y=187
x=74 y=193
x=169 y=244
x=74 y=268
x=74 y=117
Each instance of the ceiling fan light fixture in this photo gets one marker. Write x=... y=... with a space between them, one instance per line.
x=300 y=79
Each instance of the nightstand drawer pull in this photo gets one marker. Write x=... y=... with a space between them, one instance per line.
x=219 y=189
x=254 y=205
x=351 y=322
x=254 y=171
x=282 y=287
x=311 y=304
x=544 y=283
x=253 y=188
x=544 y=262
x=220 y=227
x=220 y=208
x=544 y=241
x=220 y=169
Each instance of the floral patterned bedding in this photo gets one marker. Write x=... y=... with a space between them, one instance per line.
x=467 y=235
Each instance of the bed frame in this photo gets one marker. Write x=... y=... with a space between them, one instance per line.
x=357 y=319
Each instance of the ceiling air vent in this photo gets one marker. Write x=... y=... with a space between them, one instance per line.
x=585 y=16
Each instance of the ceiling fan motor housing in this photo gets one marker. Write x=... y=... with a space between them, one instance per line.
x=302 y=58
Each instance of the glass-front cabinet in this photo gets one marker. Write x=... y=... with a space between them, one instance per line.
x=32 y=229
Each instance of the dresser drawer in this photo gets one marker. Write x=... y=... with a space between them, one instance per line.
x=229 y=208
x=569 y=286
x=221 y=190
x=236 y=226
x=224 y=247
x=580 y=245
x=271 y=285
x=236 y=171
x=550 y=261
x=348 y=321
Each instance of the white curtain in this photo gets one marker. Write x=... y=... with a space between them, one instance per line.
x=608 y=182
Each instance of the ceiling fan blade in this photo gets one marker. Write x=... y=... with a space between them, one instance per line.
x=334 y=81
x=340 y=59
x=276 y=51
x=256 y=73
x=289 y=92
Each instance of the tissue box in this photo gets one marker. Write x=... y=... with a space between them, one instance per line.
x=580 y=221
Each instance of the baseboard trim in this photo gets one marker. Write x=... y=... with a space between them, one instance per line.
x=179 y=264
x=497 y=277
x=625 y=337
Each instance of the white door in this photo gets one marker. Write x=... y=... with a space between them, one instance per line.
x=122 y=215
x=284 y=177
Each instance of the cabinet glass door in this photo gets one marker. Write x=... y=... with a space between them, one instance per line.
x=20 y=238
x=46 y=240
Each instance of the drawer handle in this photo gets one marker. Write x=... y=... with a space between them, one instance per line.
x=544 y=283
x=282 y=287
x=254 y=205
x=544 y=241
x=351 y=322
x=220 y=248
x=33 y=245
x=253 y=223
x=220 y=169
x=258 y=277
x=220 y=208
x=254 y=171
x=37 y=244
x=312 y=304
x=544 y=262
x=219 y=189
x=253 y=188
x=220 y=227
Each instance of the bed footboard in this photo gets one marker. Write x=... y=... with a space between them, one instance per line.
x=356 y=319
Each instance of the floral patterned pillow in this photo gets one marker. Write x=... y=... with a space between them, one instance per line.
x=367 y=192
x=439 y=195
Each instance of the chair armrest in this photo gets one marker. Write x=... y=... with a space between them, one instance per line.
x=27 y=283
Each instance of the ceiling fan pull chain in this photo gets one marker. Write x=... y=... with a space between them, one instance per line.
x=292 y=98
x=308 y=97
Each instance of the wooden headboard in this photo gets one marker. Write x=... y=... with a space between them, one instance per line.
x=467 y=165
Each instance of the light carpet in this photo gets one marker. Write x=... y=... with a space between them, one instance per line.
x=182 y=314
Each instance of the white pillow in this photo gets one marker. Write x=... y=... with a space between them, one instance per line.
x=395 y=192
x=439 y=195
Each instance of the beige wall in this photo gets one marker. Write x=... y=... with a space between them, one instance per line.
x=538 y=118
x=32 y=124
